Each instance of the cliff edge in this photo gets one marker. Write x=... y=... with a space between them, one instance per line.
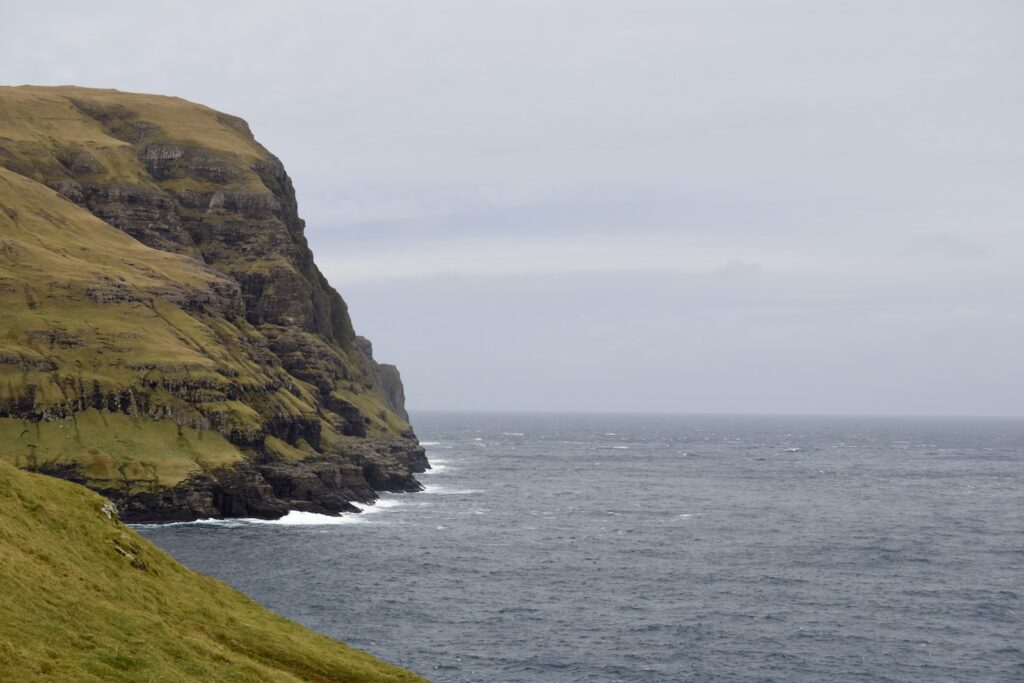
x=165 y=335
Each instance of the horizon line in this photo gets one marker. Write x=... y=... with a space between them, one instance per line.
x=671 y=413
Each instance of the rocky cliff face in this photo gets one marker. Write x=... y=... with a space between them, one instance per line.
x=194 y=362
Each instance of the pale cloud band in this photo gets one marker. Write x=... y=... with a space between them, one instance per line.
x=548 y=256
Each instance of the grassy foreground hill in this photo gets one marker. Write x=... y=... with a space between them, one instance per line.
x=84 y=598
x=165 y=336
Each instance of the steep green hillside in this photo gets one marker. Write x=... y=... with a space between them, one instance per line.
x=92 y=320
x=165 y=336
x=84 y=598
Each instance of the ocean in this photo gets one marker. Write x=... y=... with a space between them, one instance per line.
x=601 y=548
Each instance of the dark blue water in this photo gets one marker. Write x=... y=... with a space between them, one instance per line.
x=659 y=548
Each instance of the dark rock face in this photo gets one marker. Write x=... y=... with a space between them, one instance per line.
x=325 y=484
x=394 y=390
x=229 y=204
x=388 y=378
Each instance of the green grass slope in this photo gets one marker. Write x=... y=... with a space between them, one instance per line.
x=91 y=319
x=84 y=598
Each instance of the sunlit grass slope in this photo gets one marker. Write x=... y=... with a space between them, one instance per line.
x=86 y=311
x=40 y=125
x=84 y=598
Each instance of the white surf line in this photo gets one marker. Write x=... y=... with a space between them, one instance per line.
x=300 y=518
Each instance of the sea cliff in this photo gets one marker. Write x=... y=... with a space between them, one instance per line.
x=166 y=337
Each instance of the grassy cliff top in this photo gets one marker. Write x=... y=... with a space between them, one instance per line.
x=48 y=239
x=85 y=598
x=108 y=137
x=55 y=113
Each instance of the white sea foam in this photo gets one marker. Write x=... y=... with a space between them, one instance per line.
x=293 y=518
x=621 y=448
x=444 y=491
x=430 y=443
x=435 y=467
x=379 y=505
x=299 y=518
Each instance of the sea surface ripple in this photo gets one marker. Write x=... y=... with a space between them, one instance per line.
x=665 y=548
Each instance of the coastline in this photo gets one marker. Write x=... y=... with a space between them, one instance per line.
x=326 y=485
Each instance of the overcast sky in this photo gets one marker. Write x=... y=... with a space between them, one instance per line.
x=767 y=206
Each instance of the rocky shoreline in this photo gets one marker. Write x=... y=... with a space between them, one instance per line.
x=326 y=484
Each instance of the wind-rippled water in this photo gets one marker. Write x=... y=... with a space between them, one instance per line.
x=666 y=548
